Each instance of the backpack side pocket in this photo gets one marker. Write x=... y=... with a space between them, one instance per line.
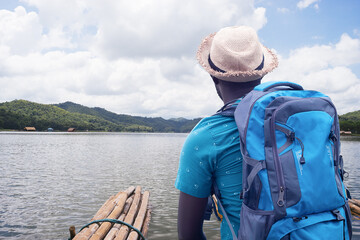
x=254 y=224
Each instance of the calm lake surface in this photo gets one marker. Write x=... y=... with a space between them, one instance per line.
x=50 y=181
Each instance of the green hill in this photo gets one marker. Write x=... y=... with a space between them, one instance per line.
x=21 y=113
x=18 y=114
x=350 y=122
x=157 y=124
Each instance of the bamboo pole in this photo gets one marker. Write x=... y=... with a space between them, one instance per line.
x=72 y=232
x=145 y=227
x=103 y=207
x=102 y=213
x=130 y=190
x=355 y=201
x=355 y=210
x=140 y=216
x=105 y=227
x=112 y=233
x=114 y=230
x=124 y=230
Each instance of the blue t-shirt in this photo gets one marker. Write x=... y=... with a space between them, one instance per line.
x=213 y=149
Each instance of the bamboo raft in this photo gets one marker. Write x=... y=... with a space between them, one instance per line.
x=132 y=207
x=355 y=208
x=129 y=206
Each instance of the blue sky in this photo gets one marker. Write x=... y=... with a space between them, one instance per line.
x=138 y=57
x=290 y=27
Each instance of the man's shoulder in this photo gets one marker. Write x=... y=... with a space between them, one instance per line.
x=209 y=129
x=212 y=122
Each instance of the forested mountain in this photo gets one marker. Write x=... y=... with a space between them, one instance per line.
x=21 y=113
x=350 y=122
x=157 y=124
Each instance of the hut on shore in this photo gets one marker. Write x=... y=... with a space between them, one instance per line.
x=345 y=133
x=30 y=129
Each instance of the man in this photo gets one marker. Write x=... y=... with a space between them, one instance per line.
x=236 y=61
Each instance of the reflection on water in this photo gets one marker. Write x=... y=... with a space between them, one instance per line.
x=49 y=181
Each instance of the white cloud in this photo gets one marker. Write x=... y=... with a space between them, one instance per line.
x=326 y=68
x=306 y=3
x=144 y=28
x=283 y=10
x=128 y=57
x=147 y=87
x=139 y=58
x=20 y=31
x=166 y=27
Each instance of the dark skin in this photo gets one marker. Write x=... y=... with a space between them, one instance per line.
x=191 y=209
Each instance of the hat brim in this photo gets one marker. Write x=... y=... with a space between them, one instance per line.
x=270 y=63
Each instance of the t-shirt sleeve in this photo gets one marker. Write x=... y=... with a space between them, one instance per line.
x=196 y=165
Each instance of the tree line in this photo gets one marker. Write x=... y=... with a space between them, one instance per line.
x=19 y=114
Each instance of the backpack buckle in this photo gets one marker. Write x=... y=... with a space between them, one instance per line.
x=332 y=136
x=338 y=215
x=298 y=219
x=292 y=136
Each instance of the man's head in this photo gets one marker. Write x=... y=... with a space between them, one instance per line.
x=234 y=54
x=236 y=60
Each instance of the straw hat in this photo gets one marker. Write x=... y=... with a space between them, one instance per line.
x=235 y=54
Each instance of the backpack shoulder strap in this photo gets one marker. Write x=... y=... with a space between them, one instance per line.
x=229 y=108
x=268 y=86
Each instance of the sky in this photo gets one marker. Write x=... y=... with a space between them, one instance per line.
x=138 y=57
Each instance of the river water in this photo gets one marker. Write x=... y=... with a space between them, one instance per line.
x=50 y=181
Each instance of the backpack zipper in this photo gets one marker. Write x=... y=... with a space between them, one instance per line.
x=302 y=159
x=278 y=169
x=279 y=173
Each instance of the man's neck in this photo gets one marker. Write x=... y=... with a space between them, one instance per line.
x=231 y=91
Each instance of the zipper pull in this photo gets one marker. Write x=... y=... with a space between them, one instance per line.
x=302 y=159
x=291 y=136
x=281 y=201
x=332 y=136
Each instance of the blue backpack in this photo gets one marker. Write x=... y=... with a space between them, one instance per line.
x=292 y=168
